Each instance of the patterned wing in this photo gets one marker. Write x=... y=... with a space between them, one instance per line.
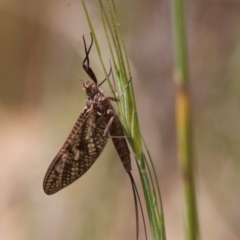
x=82 y=148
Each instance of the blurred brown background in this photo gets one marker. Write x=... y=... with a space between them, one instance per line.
x=41 y=53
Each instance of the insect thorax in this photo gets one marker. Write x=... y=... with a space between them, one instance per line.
x=96 y=99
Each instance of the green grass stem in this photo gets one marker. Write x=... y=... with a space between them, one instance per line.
x=183 y=121
x=127 y=112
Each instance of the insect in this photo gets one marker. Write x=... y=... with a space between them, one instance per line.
x=88 y=138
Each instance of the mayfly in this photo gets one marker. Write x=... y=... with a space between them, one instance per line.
x=88 y=138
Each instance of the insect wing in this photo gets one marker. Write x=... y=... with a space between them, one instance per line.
x=82 y=148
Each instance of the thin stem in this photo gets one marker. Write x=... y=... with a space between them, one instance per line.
x=183 y=121
x=128 y=115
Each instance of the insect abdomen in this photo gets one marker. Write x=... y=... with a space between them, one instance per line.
x=120 y=143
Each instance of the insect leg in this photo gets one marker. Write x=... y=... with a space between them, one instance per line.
x=125 y=89
x=87 y=67
x=106 y=131
x=87 y=51
x=110 y=71
x=113 y=99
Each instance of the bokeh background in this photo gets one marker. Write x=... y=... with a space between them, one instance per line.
x=41 y=52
